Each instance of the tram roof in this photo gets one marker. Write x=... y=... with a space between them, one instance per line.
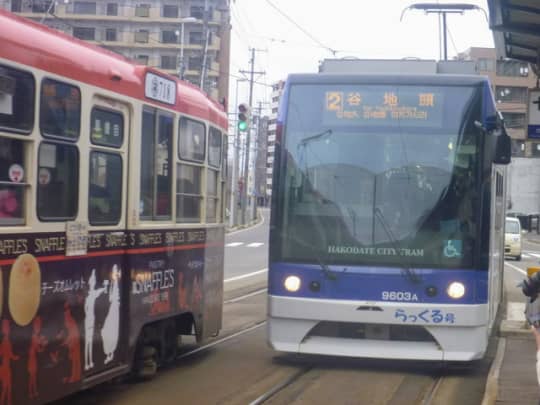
x=429 y=79
x=33 y=44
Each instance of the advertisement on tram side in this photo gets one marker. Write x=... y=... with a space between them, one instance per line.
x=65 y=319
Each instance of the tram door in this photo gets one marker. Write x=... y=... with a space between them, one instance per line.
x=496 y=263
x=107 y=277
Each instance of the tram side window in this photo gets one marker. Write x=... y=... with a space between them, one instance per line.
x=188 y=193
x=12 y=182
x=156 y=154
x=214 y=147
x=60 y=110
x=105 y=194
x=212 y=200
x=192 y=142
x=107 y=127
x=58 y=184
x=17 y=95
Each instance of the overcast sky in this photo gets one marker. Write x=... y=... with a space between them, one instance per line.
x=368 y=29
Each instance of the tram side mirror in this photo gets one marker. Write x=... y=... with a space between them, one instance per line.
x=503 y=148
x=503 y=143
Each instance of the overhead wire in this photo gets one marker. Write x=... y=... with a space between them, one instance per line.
x=333 y=51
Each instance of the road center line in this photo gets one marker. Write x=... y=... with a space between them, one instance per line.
x=245 y=275
x=516 y=268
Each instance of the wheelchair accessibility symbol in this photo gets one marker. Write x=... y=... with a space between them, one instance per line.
x=452 y=248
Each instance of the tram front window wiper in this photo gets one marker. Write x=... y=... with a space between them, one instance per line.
x=409 y=273
x=328 y=273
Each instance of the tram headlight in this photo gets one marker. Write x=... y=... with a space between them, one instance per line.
x=456 y=290
x=292 y=283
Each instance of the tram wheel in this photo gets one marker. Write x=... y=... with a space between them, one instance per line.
x=148 y=365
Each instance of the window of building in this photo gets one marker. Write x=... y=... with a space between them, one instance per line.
x=58 y=185
x=196 y=38
x=112 y=9
x=512 y=68
x=214 y=147
x=510 y=94
x=212 y=200
x=518 y=148
x=169 y=37
x=12 y=182
x=142 y=59
x=17 y=97
x=42 y=7
x=86 y=33
x=188 y=193
x=192 y=142
x=84 y=7
x=168 y=62
x=142 y=10
x=486 y=65
x=60 y=110
x=195 y=63
x=105 y=193
x=142 y=36
x=170 y=11
x=197 y=12
x=110 y=34
x=106 y=127
x=535 y=149
x=16 y=6
x=514 y=120
x=156 y=154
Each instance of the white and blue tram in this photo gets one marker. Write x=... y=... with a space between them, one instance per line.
x=388 y=213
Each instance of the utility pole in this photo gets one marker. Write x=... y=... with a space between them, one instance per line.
x=251 y=72
x=206 y=32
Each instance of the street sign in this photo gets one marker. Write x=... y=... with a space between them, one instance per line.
x=533 y=129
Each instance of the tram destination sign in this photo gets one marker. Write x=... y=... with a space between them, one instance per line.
x=160 y=89
x=376 y=106
x=533 y=128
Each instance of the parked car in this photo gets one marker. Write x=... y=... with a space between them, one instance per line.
x=512 y=238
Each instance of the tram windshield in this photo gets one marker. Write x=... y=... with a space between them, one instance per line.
x=381 y=175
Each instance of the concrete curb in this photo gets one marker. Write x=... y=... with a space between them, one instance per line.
x=492 y=384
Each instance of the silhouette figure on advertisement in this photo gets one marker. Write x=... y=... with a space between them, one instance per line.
x=7 y=354
x=37 y=345
x=111 y=326
x=90 y=319
x=73 y=343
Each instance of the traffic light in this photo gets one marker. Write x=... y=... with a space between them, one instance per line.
x=243 y=117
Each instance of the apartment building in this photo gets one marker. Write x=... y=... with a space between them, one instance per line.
x=510 y=80
x=190 y=38
x=277 y=92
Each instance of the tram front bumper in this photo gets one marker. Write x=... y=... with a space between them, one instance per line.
x=292 y=320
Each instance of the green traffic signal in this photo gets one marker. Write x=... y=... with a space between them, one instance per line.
x=243 y=117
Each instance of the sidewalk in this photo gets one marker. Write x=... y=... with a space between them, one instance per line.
x=512 y=379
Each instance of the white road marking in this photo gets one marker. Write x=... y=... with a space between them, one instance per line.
x=234 y=244
x=245 y=275
x=255 y=244
x=515 y=268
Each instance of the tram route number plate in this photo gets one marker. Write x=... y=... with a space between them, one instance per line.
x=160 y=89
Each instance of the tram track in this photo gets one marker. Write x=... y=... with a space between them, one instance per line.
x=431 y=394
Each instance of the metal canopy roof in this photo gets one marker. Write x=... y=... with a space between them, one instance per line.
x=516 y=29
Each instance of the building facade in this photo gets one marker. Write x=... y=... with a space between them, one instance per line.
x=190 y=38
x=277 y=92
x=511 y=81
